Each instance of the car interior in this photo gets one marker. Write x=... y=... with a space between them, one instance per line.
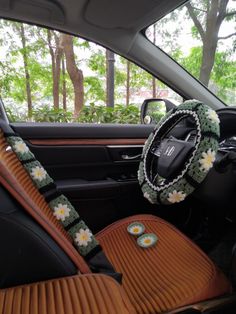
x=71 y=193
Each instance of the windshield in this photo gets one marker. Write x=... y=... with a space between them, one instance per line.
x=201 y=36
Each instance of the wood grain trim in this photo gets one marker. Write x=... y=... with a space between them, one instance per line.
x=69 y=142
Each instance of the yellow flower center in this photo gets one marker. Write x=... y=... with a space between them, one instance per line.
x=177 y=197
x=135 y=229
x=38 y=173
x=147 y=241
x=209 y=160
x=84 y=237
x=61 y=211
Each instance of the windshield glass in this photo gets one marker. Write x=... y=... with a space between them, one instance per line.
x=201 y=36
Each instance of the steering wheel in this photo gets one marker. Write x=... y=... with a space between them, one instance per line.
x=179 y=153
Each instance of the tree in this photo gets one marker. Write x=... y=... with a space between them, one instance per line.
x=76 y=75
x=55 y=50
x=64 y=90
x=213 y=13
x=154 y=88
x=110 y=77
x=128 y=82
x=19 y=27
x=133 y=78
x=222 y=77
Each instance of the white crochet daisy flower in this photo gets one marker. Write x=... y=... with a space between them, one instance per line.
x=20 y=147
x=212 y=115
x=207 y=160
x=176 y=197
x=148 y=197
x=147 y=240
x=83 y=237
x=38 y=173
x=61 y=211
x=136 y=228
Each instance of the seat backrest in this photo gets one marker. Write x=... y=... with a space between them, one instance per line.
x=18 y=183
x=28 y=252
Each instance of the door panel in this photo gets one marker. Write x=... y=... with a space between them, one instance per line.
x=90 y=165
x=82 y=131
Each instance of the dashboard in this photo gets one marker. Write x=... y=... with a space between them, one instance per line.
x=228 y=144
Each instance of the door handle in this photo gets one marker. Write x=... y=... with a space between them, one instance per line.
x=128 y=157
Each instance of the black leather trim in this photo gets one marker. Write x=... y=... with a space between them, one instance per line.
x=76 y=130
x=24 y=162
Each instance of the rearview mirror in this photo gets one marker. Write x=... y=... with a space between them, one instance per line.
x=152 y=110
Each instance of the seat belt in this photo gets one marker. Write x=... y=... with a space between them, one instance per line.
x=83 y=239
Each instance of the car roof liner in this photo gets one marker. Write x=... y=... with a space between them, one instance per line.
x=80 y=17
x=114 y=17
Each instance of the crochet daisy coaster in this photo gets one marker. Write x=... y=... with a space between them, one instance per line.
x=136 y=228
x=147 y=240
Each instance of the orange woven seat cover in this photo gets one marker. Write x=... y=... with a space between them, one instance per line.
x=173 y=273
x=85 y=294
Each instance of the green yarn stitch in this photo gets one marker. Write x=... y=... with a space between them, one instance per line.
x=12 y=141
x=39 y=183
x=62 y=199
x=84 y=250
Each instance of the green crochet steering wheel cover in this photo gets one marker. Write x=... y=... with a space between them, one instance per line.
x=196 y=169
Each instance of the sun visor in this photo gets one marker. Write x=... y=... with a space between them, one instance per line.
x=37 y=10
x=118 y=14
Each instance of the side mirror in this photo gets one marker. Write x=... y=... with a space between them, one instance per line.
x=153 y=109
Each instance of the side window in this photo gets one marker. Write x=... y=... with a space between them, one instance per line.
x=47 y=76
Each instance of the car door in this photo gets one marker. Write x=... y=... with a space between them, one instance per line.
x=94 y=165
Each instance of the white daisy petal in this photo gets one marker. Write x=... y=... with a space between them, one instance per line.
x=83 y=237
x=38 y=173
x=136 y=228
x=148 y=197
x=212 y=115
x=61 y=211
x=207 y=160
x=20 y=147
x=176 y=197
x=147 y=240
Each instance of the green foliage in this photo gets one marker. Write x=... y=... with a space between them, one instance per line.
x=223 y=73
x=97 y=62
x=180 y=25
x=89 y=114
x=47 y=114
x=191 y=62
x=94 y=89
x=13 y=116
x=102 y=114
